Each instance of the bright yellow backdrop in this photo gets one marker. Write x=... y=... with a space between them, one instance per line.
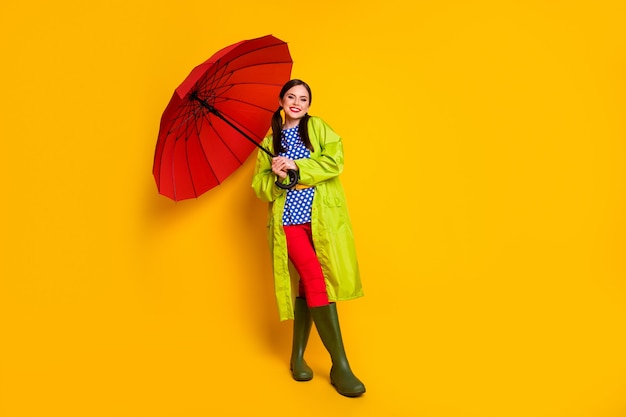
x=492 y=134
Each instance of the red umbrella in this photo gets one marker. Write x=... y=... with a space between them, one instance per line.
x=228 y=98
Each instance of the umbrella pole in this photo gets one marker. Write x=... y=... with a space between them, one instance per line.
x=213 y=110
x=294 y=176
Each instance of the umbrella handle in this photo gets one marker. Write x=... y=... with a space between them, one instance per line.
x=293 y=180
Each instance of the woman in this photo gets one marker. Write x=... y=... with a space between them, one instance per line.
x=309 y=226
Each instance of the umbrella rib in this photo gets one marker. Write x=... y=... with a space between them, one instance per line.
x=187 y=130
x=241 y=125
x=225 y=73
x=184 y=132
x=248 y=104
x=280 y=45
x=220 y=80
x=217 y=133
x=183 y=117
x=188 y=165
x=176 y=137
x=204 y=152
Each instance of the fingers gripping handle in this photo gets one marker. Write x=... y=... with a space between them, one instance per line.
x=293 y=180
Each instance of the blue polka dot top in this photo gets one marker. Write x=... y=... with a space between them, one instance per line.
x=298 y=203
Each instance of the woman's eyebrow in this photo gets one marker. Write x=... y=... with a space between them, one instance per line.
x=291 y=94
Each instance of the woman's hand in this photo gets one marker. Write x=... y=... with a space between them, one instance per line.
x=280 y=166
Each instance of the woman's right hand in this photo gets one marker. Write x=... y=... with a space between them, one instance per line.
x=279 y=172
x=280 y=166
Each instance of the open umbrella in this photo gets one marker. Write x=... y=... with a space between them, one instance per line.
x=218 y=114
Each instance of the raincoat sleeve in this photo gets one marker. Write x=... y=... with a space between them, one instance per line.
x=325 y=163
x=263 y=180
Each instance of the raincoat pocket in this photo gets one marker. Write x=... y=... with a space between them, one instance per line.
x=332 y=202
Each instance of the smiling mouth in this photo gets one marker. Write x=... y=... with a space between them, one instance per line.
x=294 y=109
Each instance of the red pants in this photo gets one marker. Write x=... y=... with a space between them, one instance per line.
x=303 y=257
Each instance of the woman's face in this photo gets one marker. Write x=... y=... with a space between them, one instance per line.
x=295 y=103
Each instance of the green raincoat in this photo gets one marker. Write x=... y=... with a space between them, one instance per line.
x=330 y=223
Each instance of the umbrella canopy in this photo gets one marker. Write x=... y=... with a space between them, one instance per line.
x=218 y=114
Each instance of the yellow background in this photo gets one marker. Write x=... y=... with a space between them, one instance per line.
x=485 y=144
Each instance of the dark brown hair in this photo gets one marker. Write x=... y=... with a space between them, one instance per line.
x=277 y=120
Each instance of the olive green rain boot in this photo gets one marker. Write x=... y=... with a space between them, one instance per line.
x=341 y=376
x=301 y=329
